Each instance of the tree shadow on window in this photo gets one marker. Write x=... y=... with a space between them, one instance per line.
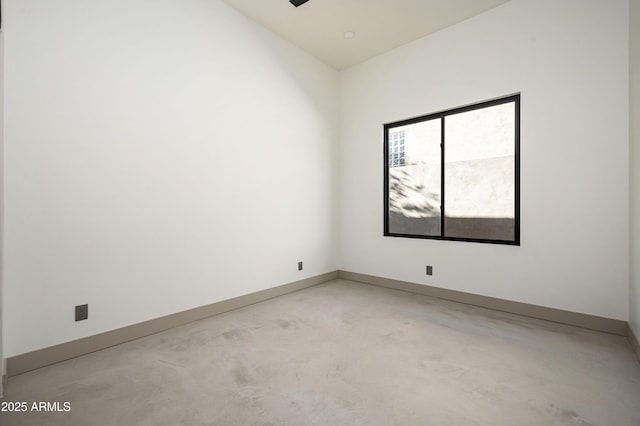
x=413 y=208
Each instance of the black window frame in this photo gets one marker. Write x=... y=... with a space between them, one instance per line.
x=515 y=98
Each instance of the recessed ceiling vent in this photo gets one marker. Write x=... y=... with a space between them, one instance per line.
x=297 y=3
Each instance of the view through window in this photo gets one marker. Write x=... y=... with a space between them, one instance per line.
x=455 y=174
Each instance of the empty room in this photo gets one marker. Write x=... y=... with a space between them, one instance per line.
x=321 y=212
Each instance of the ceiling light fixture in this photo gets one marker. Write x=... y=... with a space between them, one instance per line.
x=349 y=34
x=297 y=3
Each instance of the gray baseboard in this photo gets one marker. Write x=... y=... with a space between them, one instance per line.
x=3 y=386
x=40 y=358
x=633 y=339
x=592 y=322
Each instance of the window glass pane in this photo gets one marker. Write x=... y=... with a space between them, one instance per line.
x=480 y=173
x=414 y=186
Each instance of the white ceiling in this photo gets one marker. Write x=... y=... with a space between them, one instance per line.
x=318 y=26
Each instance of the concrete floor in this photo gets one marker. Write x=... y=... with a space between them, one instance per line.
x=344 y=353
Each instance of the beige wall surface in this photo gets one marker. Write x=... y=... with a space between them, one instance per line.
x=569 y=61
x=160 y=156
x=634 y=164
x=2 y=356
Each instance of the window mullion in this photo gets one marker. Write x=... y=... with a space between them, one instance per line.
x=442 y=147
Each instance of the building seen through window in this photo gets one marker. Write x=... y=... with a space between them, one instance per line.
x=396 y=149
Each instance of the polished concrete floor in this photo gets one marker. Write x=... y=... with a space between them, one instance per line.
x=344 y=353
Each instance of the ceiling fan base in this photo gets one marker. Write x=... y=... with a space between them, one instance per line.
x=297 y=3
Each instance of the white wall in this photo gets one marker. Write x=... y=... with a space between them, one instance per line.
x=161 y=155
x=634 y=162
x=2 y=359
x=164 y=154
x=569 y=60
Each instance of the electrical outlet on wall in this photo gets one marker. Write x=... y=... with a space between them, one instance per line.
x=82 y=312
x=429 y=270
x=299 y=266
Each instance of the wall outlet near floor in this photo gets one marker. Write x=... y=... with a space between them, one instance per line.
x=82 y=312
x=299 y=266
x=429 y=270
